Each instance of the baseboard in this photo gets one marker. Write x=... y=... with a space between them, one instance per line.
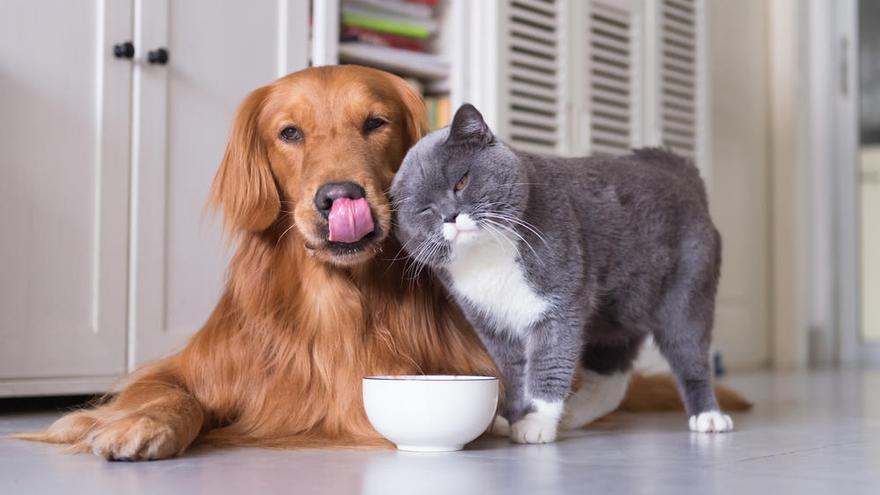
x=34 y=387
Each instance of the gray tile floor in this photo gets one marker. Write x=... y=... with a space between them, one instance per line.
x=815 y=432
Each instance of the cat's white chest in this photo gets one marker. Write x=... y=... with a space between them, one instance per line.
x=485 y=271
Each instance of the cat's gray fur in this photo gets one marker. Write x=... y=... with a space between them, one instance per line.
x=620 y=248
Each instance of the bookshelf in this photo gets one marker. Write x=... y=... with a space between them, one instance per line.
x=415 y=39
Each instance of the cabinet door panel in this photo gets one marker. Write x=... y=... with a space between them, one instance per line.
x=64 y=132
x=183 y=112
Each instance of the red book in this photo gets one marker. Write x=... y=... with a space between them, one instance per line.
x=430 y=3
x=351 y=33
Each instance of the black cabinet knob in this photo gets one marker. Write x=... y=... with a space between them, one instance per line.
x=123 y=50
x=158 y=56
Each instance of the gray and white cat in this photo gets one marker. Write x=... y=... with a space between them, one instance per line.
x=562 y=264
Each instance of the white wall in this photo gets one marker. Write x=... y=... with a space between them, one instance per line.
x=738 y=99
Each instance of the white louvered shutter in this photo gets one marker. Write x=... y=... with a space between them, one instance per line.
x=680 y=74
x=532 y=106
x=610 y=108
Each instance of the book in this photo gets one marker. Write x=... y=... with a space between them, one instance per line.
x=415 y=10
x=400 y=26
x=402 y=62
x=438 y=108
x=351 y=33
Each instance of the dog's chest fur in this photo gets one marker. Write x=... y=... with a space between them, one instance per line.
x=485 y=271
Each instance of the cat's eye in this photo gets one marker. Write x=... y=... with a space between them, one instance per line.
x=461 y=183
x=291 y=134
x=373 y=124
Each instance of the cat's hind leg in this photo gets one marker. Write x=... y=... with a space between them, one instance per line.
x=603 y=379
x=683 y=333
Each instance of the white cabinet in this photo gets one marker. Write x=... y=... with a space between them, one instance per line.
x=106 y=258
x=182 y=113
x=64 y=132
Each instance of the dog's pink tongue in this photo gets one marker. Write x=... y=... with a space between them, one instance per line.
x=350 y=220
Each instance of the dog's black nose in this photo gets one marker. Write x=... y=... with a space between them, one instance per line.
x=334 y=190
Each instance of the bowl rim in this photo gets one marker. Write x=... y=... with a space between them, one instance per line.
x=431 y=378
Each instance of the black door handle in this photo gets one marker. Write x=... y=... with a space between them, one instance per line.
x=123 y=50
x=159 y=56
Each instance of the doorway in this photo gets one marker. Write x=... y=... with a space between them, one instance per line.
x=869 y=176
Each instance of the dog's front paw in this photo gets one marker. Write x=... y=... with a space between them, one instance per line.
x=499 y=427
x=133 y=438
x=534 y=428
x=710 y=422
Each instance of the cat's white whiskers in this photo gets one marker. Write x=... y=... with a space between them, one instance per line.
x=518 y=221
x=512 y=231
x=495 y=233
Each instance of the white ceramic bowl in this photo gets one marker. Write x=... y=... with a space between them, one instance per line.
x=430 y=413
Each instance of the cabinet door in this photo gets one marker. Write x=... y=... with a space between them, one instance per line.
x=64 y=132
x=182 y=115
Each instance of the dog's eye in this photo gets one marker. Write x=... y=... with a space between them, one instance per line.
x=461 y=183
x=374 y=124
x=291 y=134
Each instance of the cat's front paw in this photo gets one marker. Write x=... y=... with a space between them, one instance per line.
x=499 y=427
x=534 y=428
x=710 y=422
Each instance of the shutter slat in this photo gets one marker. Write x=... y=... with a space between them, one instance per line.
x=614 y=43
x=530 y=75
x=678 y=76
x=539 y=63
x=673 y=50
x=537 y=134
x=527 y=16
x=612 y=48
x=622 y=100
x=613 y=70
x=548 y=38
x=676 y=65
x=533 y=104
x=533 y=86
x=527 y=44
x=677 y=115
x=532 y=89
x=677 y=39
x=678 y=128
x=536 y=119
x=615 y=125
x=545 y=7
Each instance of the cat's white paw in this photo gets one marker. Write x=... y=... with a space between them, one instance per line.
x=500 y=427
x=534 y=428
x=710 y=422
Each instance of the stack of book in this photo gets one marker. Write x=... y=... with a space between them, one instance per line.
x=394 y=35
x=437 y=104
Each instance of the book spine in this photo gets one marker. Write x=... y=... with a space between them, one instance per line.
x=350 y=33
x=386 y=26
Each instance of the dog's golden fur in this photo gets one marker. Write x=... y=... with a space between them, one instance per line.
x=280 y=360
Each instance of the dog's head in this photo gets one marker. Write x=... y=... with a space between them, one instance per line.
x=316 y=151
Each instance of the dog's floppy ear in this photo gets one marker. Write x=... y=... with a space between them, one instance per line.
x=414 y=107
x=244 y=187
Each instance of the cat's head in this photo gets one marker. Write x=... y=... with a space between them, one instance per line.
x=457 y=187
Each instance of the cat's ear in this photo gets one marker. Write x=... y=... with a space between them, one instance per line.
x=468 y=127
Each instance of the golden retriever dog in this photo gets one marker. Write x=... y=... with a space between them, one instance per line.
x=316 y=297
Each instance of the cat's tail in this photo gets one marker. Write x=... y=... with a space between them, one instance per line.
x=657 y=392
